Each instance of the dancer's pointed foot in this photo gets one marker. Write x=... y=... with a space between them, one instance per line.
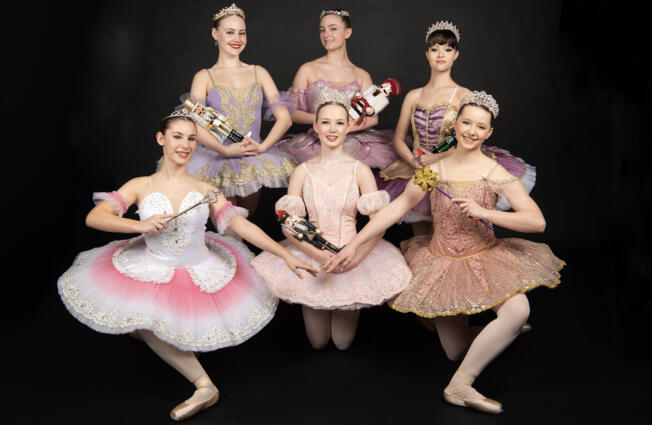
x=204 y=397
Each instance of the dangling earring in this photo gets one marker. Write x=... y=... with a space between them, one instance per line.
x=216 y=42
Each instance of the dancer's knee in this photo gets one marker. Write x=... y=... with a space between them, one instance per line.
x=518 y=310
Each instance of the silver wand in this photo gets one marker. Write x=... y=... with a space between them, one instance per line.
x=211 y=197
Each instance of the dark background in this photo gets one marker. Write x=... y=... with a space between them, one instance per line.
x=87 y=86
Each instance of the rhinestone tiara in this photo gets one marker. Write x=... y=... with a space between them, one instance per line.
x=228 y=11
x=179 y=113
x=333 y=12
x=443 y=25
x=330 y=95
x=481 y=98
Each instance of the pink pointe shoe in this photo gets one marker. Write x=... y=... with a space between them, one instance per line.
x=459 y=392
x=187 y=409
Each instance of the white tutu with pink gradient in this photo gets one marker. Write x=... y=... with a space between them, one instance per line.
x=194 y=289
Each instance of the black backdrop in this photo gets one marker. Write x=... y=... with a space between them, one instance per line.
x=90 y=83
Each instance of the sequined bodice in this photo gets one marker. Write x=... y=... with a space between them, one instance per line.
x=332 y=207
x=313 y=91
x=454 y=234
x=241 y=107
x=430 y=124
x=182 y=241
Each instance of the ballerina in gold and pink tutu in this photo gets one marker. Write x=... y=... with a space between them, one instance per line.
x=462 y=269
x=177 y=287
x=331 y=188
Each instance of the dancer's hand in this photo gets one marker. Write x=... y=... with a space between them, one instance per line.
x=295 y=264
x=260 y=148
x=427 y=158
x=154 y=224
x=244 y=148
x=470 y=208
x=341 y=260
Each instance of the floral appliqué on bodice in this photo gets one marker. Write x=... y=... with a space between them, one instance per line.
x=241 y=107
x=307 y=100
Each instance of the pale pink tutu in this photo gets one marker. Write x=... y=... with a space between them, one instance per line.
x=196 y=309
x=446 y=286
x=380 y=276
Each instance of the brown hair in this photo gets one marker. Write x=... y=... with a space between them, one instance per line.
x=491 y=115
x=216 y=24
x=442 y=37
x=331 y=103
x=165 y=122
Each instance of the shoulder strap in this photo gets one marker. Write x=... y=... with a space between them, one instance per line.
x=305 y=167
x=453 y=95
x=419 y=96
x=440 y=166
x=355 y=168
x=211 y=77
x=491 y=170
x=151 y=188
x=255 y=75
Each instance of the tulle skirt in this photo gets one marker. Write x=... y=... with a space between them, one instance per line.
x=380 y=276
x=245 y=175
x=395 y=178
x=372 y=147
x=177 y=311
x=447 y=286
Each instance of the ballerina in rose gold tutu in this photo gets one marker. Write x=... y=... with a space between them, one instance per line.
x=331 y=187
x=177 y=287
x=335 y=71
x=463 y=269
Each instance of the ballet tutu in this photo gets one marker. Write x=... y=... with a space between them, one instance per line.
x=380 y=276
x=447 y=286
x=218 y=302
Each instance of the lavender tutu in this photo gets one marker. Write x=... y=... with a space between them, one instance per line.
x=244 y=175
x=191 y=288
x=371 y=147
x=429 y=126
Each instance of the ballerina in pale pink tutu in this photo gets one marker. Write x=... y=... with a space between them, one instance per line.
x=331 y=188
x=463 y=269
x=429 y=112
x=335 y=71
x=177 y=287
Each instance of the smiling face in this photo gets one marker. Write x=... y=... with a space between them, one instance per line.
x=179 y=140
x=231 y=35
x=331 y=124
x=333 y=32
x=441 y=57
x=472 y=127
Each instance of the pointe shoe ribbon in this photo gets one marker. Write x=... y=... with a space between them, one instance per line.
x=187 y=409
x=457 y=396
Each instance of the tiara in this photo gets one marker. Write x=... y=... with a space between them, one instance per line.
x=481 y=98
x=333 y=12
x=228 y=11
x=443 y=25
x=333 y=96
x=179 y=113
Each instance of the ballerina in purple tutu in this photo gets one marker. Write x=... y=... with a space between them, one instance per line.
x=236 y=90
x=335 y=71
x=430 y=111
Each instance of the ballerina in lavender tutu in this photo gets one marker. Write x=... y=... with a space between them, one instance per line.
x=236 y=90
x=335 y=71
x=430 y=111
x=462 y=269
x=177 y=287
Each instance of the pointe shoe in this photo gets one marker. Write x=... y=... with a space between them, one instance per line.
x=526 y=328
x=457 y=396
x=187 y=409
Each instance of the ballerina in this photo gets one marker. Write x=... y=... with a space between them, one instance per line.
x=430 y=112
x=236 y=90
x=335 y=71
x=463 y=269
x=177 y=287
x=330 y=186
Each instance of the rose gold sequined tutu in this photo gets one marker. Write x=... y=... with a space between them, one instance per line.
x=446 y=286
x=464 y=269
